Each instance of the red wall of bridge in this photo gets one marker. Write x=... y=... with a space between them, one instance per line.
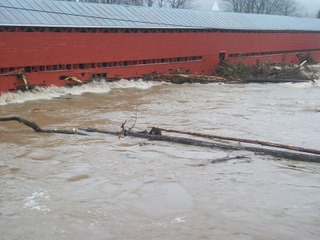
x=21 y=49
x=42 y=48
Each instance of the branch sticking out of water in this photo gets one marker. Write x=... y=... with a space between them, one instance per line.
x=36 y=127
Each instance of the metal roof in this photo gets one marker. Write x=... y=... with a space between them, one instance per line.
x=92 y=15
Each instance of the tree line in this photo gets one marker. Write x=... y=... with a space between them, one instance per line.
x=149 y=3
x=272 y=7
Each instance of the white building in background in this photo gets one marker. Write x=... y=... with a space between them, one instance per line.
x=215 y=6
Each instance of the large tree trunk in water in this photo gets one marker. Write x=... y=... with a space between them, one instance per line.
x=296 y=153
x=194 y=142
x=263 y=143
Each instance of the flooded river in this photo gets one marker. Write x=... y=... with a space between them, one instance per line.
x=100 y=187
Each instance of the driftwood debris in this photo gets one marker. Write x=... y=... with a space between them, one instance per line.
x=291 y=155
x=192 y=78
x=36 y=127
x=258 y=150
x=227 y=158
x=262 y=143
x=265 y=148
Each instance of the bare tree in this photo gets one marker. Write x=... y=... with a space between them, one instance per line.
x=149 y=3
x=290 y=8
x=318 y=14
x=161 y=3
x=134 y=2
x=179 y=3
x=273 y=7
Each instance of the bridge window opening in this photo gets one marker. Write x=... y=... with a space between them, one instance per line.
x=65 y=67
x=268 y=53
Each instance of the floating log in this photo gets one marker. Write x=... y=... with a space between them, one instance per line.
x=188 y=141
x=192 y=78
x=156 y=136
x=72 y=78
x=263 y=143
x=257 y=150
x=36 y=127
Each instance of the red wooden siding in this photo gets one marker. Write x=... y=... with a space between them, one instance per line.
x=50 y=55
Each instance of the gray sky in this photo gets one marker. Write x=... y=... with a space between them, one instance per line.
x=311 y=6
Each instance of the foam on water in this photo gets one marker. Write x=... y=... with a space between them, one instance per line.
x=304 y=85
x=36 y=200
x=54 y=92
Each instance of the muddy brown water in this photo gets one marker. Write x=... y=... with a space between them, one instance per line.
x=102 y=187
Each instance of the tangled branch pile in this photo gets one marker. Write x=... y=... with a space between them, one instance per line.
x=267 y=71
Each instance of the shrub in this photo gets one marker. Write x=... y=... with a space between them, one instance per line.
x=233 y=71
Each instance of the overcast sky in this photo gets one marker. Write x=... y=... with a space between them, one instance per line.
x=311 y=6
